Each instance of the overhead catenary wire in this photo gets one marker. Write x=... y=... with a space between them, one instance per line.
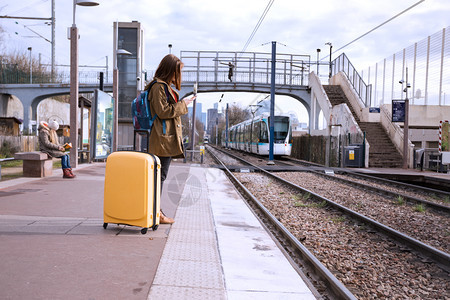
x=261 y=19
x=375 y=28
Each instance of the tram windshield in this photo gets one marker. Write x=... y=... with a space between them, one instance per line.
x=281 y=128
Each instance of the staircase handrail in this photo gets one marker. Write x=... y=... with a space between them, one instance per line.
x=364 y=91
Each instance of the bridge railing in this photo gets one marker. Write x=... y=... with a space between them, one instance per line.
x=364 y=91
x=17 y=76
x=244 y=67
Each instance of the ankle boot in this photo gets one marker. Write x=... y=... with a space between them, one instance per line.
x=66 y=174
x=71 y=173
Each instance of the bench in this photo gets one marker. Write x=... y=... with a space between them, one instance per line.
x=35 y=164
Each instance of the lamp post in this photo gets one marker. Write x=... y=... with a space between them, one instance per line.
x=272 y=103
x=74 y=83
x=406 y=123
x=331 y=47
x=170 y=48
x=31 y=66
x=318 y=51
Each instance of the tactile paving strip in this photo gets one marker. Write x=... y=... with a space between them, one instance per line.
x=190 y=266
x=180 y=293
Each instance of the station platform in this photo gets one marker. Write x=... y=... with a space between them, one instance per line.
x=53 y=245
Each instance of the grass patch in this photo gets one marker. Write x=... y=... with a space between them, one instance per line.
x=338 y=219
x=11 y=163
x=446 y=199
x=57 y=164
x=311 y=205
x=419 y=208
x=300 y=199
x=12 y=176
x=399 y=200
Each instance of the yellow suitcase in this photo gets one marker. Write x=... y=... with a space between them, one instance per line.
x=132 y=190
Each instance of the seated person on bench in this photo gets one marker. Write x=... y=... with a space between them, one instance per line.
x=48 y=143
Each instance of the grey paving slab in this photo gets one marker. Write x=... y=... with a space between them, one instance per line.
x=53 y=245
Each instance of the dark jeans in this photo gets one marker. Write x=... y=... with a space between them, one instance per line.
x=65 y=162
x=165 y=164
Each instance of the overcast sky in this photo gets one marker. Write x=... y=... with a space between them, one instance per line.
x=303 y=26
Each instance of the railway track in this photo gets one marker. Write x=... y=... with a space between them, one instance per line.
x=344 y=228
x=436 y=199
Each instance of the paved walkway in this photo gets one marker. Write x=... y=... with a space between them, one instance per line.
x=53 y=245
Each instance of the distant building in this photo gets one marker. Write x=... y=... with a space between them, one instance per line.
x=128 y=36
x=212 y=117
x=199 y=114
x=204 y=120
x=299 y=128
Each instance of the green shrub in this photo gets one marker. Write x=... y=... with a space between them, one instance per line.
x=7 y=150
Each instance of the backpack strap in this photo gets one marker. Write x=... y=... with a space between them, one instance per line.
x=166 y=90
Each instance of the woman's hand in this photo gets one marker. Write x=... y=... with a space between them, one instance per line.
x=189 y=100
x=61 y=148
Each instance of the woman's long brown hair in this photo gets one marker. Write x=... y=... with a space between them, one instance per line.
x=169 y=71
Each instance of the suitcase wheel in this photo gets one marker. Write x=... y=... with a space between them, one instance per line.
x=105 y=225
x=155 y=227
x=144 y=230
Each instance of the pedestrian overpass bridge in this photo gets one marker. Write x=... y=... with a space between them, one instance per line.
x=31 y=95
x=246 y=72
x=212 y=71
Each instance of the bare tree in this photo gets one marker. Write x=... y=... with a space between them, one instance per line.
x=237 y=114
x=1 y=37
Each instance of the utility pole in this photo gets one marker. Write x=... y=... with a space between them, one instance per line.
x=193 y=123
x=31 y=65
x=272 y=103
x=331 y=47
x=226 y=128
x=406 y=125
x=53 y=41
x=318 y=53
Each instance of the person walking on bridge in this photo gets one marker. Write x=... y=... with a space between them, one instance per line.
x=48 y=143
x=166 y=136
x=230 y=71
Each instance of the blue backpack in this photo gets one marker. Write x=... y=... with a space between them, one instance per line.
x=140 y=110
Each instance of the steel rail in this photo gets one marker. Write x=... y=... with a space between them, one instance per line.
x=421 y=189
x=339 y=289
x=396 y=183
x=440 y=257
x=436 y=206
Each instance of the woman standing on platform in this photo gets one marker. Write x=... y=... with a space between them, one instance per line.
x=166 y=135
x=48 y=143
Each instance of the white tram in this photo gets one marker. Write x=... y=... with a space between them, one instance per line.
x=253 y=135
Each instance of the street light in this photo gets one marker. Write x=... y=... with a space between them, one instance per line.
x=31 y=65
x=318 y=51
x=331 y=47
x=170 y=48
x=74 y=82
x=406 y=122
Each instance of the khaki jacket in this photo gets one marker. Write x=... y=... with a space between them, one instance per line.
x=168 y=144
